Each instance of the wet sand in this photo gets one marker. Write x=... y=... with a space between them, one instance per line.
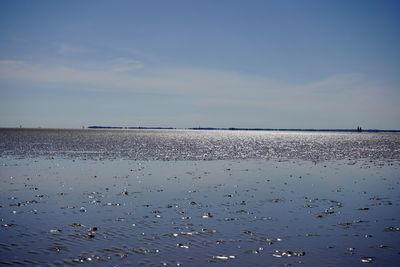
x=251 y=212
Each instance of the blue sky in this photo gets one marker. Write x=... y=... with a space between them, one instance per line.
x=278 y=64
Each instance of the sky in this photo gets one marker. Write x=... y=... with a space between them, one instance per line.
x=225 y=63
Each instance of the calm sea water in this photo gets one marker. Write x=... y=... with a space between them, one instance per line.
x=198 y=145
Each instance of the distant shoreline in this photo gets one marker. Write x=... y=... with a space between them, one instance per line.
x=99 y=127
x=242 y=129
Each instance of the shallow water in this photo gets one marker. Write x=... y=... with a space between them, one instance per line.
x=63 y=207
x=197 y=145
x=199 y=213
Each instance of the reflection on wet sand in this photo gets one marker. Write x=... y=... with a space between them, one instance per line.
x=197 y=213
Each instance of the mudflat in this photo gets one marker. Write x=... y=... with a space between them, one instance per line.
x=64 y=209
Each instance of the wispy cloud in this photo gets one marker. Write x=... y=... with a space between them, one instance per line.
x=66 y=48
x=346 y=94
x=125 y=65
x=110 y=76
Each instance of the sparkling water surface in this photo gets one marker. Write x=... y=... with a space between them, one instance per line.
x=198 y=145
x=212 y=198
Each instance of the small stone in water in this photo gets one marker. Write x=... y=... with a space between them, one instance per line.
x=221 y=257
x=182 y=245
x=392 y=229
x=288 y=253
x=367 y=259
x=76 y=225
x=207 y=215
x=91 y=235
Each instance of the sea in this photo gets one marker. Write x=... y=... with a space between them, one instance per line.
x=197 y=144
x=115 y=197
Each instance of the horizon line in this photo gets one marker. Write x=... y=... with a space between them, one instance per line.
x=199 y=128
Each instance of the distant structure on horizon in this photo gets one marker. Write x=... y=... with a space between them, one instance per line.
x=352 y=130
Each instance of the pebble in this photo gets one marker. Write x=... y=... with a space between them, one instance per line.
x=288 y=253
x=182 y=245
x=207 y=215
x=222 y=257
x=76 y=225
x=392 y=229
x=367 y=259
x=55 y=231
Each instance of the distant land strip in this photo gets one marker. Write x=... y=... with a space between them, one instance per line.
x=241 y=129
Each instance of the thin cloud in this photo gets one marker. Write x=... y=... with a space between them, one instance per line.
x=66 y=48
x=349 y=94
x=125 y=65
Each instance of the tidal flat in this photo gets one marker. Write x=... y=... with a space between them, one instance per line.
x=59 y=207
